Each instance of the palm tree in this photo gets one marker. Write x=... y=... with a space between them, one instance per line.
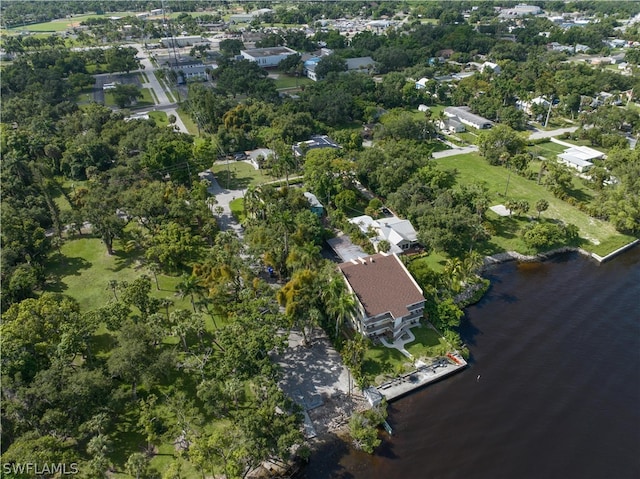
x=190 y=286
x=345 y=308
x=303 y=257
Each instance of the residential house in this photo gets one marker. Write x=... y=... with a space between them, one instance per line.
x=580 y=157
x=361 y=64
x=191 y=71
x=463 y=114
x=316 y=141
x=450 y=126
x=527 y=106
x=316 y=207
x=267 y=57
x=389 y=301
x=399 y=233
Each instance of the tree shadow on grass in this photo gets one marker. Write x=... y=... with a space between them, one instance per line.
x=63 y=266
x=102 y=343
x=123 y=260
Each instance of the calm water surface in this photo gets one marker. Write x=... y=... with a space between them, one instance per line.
x=557 y=348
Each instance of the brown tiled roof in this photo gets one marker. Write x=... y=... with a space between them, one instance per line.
x=382 y=284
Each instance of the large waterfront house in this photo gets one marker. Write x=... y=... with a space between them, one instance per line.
x=389 y=301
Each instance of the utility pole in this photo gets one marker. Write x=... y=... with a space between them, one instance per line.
x=546 y=121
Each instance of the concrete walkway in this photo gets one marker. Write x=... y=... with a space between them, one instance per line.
x=541 y=134
x=164 y=104
x=406 y=338
x=226 y=220
x=455 y=152
x=424 y=374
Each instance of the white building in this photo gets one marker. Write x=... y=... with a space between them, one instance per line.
x=580 y=157
x=182 y=41
x=267 y=57
x=520 y=11
x=463 y=114
x=527 y=106
x=398 y=232
x=249 y=17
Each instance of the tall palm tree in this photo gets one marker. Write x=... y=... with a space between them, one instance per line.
x=345 y=308
x=190 y=286
x=303 y=257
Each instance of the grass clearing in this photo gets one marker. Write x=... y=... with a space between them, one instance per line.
x=160 y=117
x=381 y=362
x=284 y=81
x=83 y=270
x=472 y=168
x=238 y=175
x=426 y=339
x=237 y=209
x=192 y=128
x=147 y=99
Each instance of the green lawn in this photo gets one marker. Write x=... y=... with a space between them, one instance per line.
x=285 y=81
x=433 y=260
x=238 y=175
x=145 y=101
x=160 y=117
x=547 y=149
x=188 y=122
x=237 y=209
x=381 y=363
x=599 y=235
x=426 y=339
x=84 y=269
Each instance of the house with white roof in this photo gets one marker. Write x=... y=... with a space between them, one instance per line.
x=464 y=115
x=527 y=106
x=580 y=157
x=267 y=57
x=400 y=233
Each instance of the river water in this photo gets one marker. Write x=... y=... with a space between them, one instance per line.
x=552 y=391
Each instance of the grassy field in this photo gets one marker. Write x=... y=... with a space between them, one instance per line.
x=600 y=237
x=237 y=209
x=145 y=101
x=83 y=270
x=188 y=122
x=284 y=81
x=547 y=149
x=426 y=339
x=160 y=117
x=63 y=24
x=238 y=175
